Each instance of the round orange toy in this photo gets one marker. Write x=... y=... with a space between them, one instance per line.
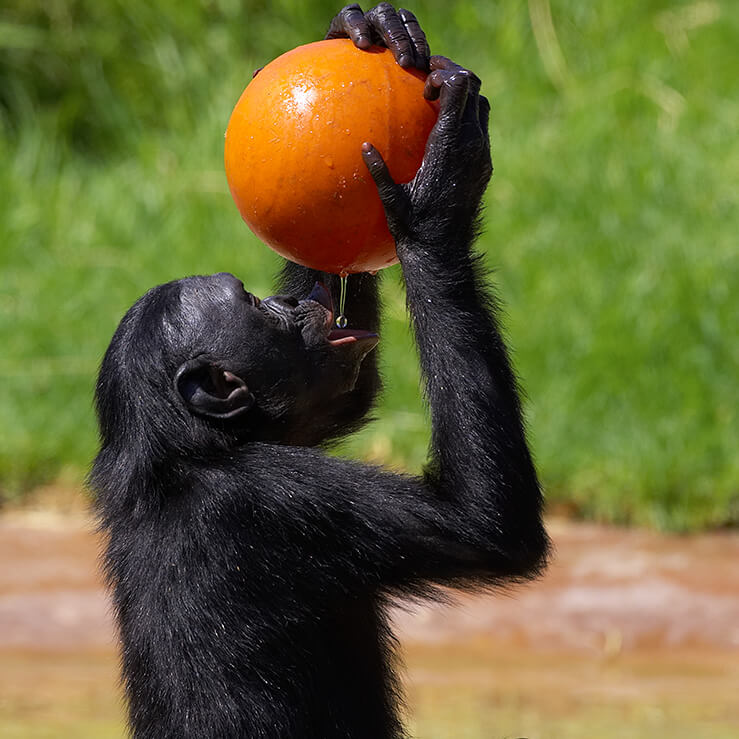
x=293 y=152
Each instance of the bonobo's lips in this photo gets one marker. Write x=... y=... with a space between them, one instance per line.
x=338 y=336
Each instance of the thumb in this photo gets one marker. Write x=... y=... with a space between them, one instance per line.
x=391 y=194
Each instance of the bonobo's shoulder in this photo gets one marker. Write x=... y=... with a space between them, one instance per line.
x=277 y=475
x=310 y=470
x=255 y=463
x=280 y=465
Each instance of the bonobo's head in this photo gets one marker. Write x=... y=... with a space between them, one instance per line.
x=201 y=361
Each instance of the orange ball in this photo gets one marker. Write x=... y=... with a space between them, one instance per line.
x=293 y=152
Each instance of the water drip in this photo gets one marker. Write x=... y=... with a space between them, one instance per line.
x=341 y=320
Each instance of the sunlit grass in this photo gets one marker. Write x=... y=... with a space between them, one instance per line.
x=611 y=227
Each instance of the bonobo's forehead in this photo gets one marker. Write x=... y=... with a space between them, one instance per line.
x=209 y=310
x=205 y=294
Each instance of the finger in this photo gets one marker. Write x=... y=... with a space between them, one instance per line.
x=484 y=113
x=387 y=24
x=387 y=189
x=437 y=80
x=351 y=22
x=434 y=81
x=457 y=80
x=442 y=62
x=378 y=169
x=256 y=72
x=417 y=37
x=472 y=109
x=442 y=69
x=447 y=65
x=452 y=100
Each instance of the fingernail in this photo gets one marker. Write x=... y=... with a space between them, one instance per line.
x=366 y=147
x=405 y=60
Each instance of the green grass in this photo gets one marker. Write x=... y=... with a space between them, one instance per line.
x=612 y=224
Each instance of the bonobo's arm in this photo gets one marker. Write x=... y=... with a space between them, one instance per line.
x=401 y=33
x=337 y=527
x=479 y=453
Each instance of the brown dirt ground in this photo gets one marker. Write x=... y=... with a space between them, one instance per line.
x=635 y=630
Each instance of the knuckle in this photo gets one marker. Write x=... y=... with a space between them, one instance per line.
x=475 y=81
x=456 y=80
x=386 y=7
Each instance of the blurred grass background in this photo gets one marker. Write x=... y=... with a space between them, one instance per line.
x=612 y=225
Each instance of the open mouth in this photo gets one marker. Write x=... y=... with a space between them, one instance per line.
x=337 y=336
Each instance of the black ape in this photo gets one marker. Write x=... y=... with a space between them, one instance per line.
x=250 y=572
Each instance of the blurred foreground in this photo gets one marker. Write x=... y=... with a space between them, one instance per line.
x=631 y=634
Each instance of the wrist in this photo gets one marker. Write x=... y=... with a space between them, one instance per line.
x=453 y=226
x=444 y=246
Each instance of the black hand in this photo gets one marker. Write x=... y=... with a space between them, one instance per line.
x=382 y=25
x=456 y=166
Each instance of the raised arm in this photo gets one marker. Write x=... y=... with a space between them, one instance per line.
x=480 y=458
x=475 y=516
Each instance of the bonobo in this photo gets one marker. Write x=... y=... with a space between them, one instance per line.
x=251 y=573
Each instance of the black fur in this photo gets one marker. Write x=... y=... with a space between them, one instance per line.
x=250 y=572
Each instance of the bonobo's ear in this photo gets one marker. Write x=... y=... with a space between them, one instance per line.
x=209 y=390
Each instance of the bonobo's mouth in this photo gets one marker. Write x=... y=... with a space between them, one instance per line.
x=338 y=336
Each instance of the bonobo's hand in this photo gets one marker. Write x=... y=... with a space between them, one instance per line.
x=384 y=26
x=443 y=199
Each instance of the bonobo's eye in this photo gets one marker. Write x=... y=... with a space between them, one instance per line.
x=253 y=299
x=280 y=302
x=234 y=287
